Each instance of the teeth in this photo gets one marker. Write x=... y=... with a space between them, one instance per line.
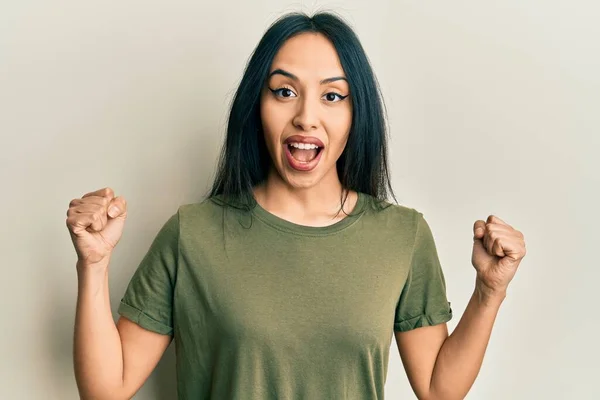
x=304 y=146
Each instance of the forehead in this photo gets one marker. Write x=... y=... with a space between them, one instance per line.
x=308 y=55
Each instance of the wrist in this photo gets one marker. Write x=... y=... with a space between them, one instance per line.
x=86 y=270
x=487 y=295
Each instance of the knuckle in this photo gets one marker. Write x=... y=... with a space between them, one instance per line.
x=71 y=222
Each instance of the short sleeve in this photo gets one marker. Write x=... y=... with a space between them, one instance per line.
x=423 y=300
x=148 y=299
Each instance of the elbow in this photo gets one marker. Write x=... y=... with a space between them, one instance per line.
x=105 y=394
x=440 y=396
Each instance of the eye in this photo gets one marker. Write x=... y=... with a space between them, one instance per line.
x=331 y=97
x=283 y=92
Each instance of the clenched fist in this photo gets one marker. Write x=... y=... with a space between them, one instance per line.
x=95 y=223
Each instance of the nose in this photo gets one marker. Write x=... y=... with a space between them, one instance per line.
x=307 y=115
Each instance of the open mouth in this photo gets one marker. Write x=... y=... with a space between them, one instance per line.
x=304 y=152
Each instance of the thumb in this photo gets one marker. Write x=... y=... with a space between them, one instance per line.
x=116 y=207
x=478 y=229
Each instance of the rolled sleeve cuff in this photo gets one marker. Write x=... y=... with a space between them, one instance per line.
x=143 y=320
x=422 y=320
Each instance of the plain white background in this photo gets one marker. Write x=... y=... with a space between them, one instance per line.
x=493 y=109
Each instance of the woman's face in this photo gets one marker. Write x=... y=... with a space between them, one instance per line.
x=306 y=104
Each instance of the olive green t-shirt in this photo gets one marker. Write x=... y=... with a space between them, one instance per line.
x=263 y=308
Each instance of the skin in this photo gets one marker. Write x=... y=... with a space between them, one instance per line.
x=112 y=361
x=438 y=365
x=445 y=367
x=304 y=105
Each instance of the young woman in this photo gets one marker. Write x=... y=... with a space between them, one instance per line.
x=288 y=281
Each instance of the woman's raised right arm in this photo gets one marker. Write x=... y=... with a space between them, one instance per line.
x=111 y=361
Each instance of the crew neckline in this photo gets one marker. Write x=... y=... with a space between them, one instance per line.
x=306 y=230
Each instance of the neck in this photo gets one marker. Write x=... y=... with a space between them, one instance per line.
x=316 y=205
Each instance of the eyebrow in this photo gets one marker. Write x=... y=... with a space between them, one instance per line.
x=279 y=71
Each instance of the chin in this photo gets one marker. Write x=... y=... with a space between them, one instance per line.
x=301 y=182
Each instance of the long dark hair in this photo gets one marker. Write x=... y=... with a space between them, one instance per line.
x=244 y=160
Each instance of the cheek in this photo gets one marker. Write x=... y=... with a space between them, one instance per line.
x=272 y=119
x=273 y=124
x=338 y=129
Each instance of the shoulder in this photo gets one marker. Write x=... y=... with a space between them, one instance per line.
x=385 y=213
x=191 y=214
x=203 y=211
x=206 y=216
x=200 y=209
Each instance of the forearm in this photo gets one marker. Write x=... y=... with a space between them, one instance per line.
x=97 y=353
x=460 y=357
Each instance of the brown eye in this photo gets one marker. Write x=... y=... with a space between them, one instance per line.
x=283 y=92
x=332 y=96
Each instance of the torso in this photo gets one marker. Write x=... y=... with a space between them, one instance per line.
x=278 y=310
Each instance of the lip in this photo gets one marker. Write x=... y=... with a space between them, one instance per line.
x=304 y=139
x=299 y=165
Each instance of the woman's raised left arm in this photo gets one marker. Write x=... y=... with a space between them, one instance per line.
x=445 y=367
